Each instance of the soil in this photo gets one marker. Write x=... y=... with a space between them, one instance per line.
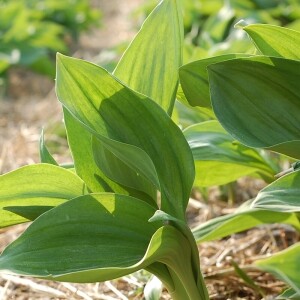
x=30 y=104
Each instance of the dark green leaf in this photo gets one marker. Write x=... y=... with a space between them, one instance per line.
x=257 y=101
x=88 y=239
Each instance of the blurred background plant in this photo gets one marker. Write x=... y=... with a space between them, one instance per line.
x=209 y=24
x=31 y=31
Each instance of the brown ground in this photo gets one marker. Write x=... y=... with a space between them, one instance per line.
x=31 y=104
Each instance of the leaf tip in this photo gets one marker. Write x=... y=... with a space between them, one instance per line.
x=241 y=24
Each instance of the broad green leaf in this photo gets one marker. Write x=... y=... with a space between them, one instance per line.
x=80 y=142
x=225 y=225
x=29 y=191
x=274 y=40
x=131 y=126
x=219 y=159
x=249 y=96
x=45 y=155
x=194 y=79
x=150 y=64
x=92 y=232
x=120 y=172
x=285 y=265
x=96 y=238
x=283 y=195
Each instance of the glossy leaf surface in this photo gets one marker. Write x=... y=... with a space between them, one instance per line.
x=274 y=40
x=144 y=137
x=30 y=191
x=219 y=159
x=249 y=96
x=150 y=64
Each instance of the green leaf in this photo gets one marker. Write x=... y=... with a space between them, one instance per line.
x=274 y=40
x=242 y=220
x=144 y=137
x=80 y=143
x=120 y=172
x=29 y=191
x=194 y=79
x=219 y=159
x=249 y=96
x=96 y=238
x=45 y=155
x=103 y=233
x=288 y=294
x=150 y=64
x=282 y=195
x=284 y=265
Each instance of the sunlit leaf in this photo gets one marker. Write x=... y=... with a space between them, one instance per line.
x=150 y=64
x=274 y=40
x=194 y=79
x=45 y=155
x=30 y=191
x=96 y=238
x=144 y=137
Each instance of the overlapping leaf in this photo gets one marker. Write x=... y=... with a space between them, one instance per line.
x=106 y=231
x=96 y=238
x=30 y=191
x=257 y=101
x=283 y=195
x=274 y=40
x=80 y=143
x=215 y=153
x=150 y=64
x=194 y=79
x=130 y=126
